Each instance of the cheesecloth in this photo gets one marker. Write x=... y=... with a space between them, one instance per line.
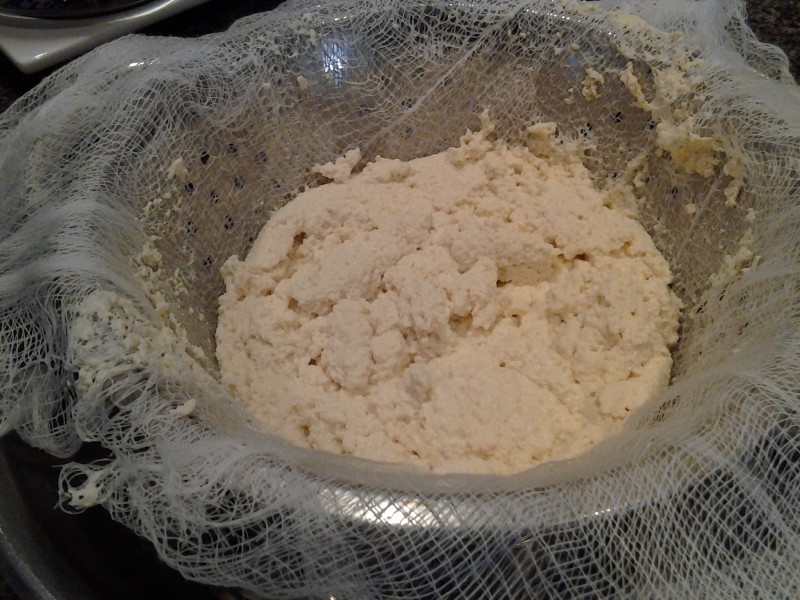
x=131 y=174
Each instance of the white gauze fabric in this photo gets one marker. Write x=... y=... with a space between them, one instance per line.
x=133 y=173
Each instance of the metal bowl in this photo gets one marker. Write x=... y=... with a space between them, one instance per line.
x=47 y=554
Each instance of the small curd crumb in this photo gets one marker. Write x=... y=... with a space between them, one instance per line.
x=738 y=262
x=177 y=170
x=590 y=83
x=302 y=82
x=150 y=256
x=693 y=152
x=690 y=209
x=184 y=409
x=340 y=169
x=91 y=492
x=734 y=169
x=541 y=139
x=631 y=83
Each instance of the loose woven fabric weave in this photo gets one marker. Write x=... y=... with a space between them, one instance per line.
x=698 y=497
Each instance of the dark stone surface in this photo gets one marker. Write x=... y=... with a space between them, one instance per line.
x=778 y=22
x=774 y=21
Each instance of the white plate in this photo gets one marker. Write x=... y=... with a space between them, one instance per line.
x=33 y=44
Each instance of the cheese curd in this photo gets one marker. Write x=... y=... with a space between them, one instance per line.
x=481 y=310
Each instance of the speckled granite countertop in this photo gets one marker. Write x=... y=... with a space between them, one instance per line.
x=774 y=21
x=777 y=22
